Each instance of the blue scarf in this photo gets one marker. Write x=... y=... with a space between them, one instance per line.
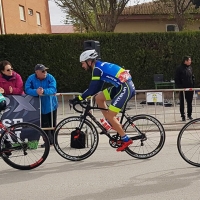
x=7 y=77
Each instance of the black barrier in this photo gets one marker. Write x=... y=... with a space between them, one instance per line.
x=21 y=108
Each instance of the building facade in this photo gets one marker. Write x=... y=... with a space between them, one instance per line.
x=24 y=16
x=151 y=25
x=156 y=17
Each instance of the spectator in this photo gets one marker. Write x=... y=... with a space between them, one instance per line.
x=184 y=78
x=10 y=81
x=43 y=84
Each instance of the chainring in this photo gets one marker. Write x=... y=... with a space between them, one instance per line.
x=115 y=141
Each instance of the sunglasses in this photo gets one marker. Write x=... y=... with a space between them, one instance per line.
x=8 y=70
x=43 y=71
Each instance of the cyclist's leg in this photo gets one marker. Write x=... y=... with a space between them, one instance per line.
x=119 y=97
x=101 y=98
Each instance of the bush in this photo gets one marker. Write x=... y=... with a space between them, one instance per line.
x=143 y=53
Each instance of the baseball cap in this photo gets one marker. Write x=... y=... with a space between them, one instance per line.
x=40 y=67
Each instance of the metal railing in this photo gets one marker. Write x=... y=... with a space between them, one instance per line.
x=167 y=111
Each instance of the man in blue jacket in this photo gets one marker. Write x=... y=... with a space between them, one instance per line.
x=43 y=84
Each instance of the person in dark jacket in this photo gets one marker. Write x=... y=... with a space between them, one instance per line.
x=43 y=84
x=184 y=78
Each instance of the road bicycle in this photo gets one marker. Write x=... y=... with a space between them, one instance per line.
x=20 y=145
x=147 y=133
x=188 y=142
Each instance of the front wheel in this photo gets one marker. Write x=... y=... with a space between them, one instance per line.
x=148 y=136
x=20 y=146
x=188 y=142
x=73 y=143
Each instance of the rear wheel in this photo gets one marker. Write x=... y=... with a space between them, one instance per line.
x=188 y=142
x=20 y=146
x=74 y=144
x=153 y=136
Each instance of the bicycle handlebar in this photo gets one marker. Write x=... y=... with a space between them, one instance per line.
x=81 y=103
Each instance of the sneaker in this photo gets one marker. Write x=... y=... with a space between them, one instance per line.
x=190 y=118
x=125 y=145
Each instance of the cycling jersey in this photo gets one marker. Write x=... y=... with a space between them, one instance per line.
x=105 y=72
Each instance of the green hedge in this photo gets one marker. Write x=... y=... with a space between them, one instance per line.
x=143 y=53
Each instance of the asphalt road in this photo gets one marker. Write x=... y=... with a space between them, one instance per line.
x=106 y=175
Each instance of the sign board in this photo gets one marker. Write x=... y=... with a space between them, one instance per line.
x=22 y=108
x=154 y=97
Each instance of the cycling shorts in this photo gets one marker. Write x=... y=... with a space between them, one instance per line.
x=119 y=95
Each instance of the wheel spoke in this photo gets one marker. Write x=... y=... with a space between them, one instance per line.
x=188 y=142
x=154 y=132
x=20 y=147
x=68 y=142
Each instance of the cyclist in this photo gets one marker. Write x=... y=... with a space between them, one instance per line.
x=2 y=108
x=2 y=102
x=122 y=90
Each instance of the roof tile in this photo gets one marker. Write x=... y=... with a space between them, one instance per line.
x=155 y=7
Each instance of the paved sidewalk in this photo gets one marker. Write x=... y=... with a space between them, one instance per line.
x=106 y=175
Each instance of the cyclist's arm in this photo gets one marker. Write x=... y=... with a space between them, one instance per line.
x=95 y=85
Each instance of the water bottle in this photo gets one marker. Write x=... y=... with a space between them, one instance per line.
x=105 y=124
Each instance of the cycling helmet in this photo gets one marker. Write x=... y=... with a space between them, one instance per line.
x=2 y=105
x=2 y=102
x=89 y=54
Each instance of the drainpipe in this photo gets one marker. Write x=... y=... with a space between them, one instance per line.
x=2 y=19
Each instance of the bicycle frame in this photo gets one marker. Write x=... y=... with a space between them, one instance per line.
x=12 y=135
x=104 y=131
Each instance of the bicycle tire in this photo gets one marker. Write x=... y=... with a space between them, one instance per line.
x=62 y=139
x=188 y=142
x=155 y=136
x=20 y=146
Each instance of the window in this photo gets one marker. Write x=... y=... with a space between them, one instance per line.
x=38 y=17
x=30 y=11
x=21 y=13
x=171 y=27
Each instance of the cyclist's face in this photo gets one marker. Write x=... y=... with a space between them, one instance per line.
x=86 y=65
